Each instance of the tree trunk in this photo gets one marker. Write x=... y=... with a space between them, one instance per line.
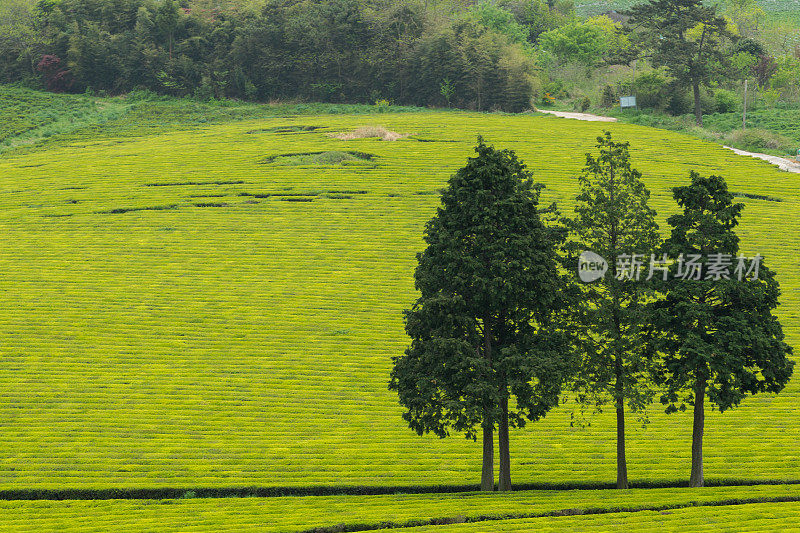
x=696 y=478
x=487 y=472
x=619 y=374
x=505 y=455
x=622 y=463
x=698 y=110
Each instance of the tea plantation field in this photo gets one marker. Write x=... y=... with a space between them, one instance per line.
x=217 y=305
x=517 y=511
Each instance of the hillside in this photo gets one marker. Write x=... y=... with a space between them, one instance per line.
x=776 y=8
x=215 y=305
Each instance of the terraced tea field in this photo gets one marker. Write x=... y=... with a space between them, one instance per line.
x=516 y=511
x=217 y=307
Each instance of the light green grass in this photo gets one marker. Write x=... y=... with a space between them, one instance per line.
x=248 y=342
x=28 y=117
x=775 y=131
x=491 y=512
x=35 y=120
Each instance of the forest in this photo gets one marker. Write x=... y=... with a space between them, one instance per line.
x=509 y=55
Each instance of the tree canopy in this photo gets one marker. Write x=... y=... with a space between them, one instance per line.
x=685 y=36
x=490 y=322
x=612 y=219
x=715 y=324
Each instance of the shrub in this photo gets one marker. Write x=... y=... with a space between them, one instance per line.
x=679 y=103
x=383 y=105
x=609 y=96
x=56 y=78
x=581 y=102
x=770 y=97
x=547 y=100
x=204 y=92
x=557 y=89
x=726 y=101
x=758 y=140
x=652 y=90
x=786 y=79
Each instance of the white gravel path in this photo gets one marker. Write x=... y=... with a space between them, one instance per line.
x=782 y=163
x=578 y=116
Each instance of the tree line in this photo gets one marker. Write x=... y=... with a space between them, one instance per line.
x=415 y=52
x=470 y=54
x=503 y=328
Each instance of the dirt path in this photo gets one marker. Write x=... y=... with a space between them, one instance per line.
x=578 y=116
x=781 y=162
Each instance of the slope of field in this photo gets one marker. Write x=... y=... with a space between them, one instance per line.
x=190 y=309
x=27 y=116
x=359 y=513
x=781 y=121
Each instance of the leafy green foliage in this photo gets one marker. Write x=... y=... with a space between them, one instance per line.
x=539 y=16
x=612 y=219
x=721 y=332
x=652 y=89
x=760 y=140
x=716 y=328
x=584 y=43
x=332 y=51
x=496 y=18
x=686 y=37
x=487 y=324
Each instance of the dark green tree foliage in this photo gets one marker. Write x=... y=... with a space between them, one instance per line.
x=612 y=219
x=329 y=50
x=489 y=325
x=685 y=36
x=719 y=337
x=539 y=16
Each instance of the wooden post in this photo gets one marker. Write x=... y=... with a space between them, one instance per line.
x=744 y=113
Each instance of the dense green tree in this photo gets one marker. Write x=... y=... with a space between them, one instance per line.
x=489 y=324
x=21 y=45
x=584 y=43
x=496 y=18
x=685 y=36
x=486 y=70
x=612 y=219
x=167 y=20
x=539 y=16
x=747 y=16
x=717 y=330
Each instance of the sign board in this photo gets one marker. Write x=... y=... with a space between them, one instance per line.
x=627 y=101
